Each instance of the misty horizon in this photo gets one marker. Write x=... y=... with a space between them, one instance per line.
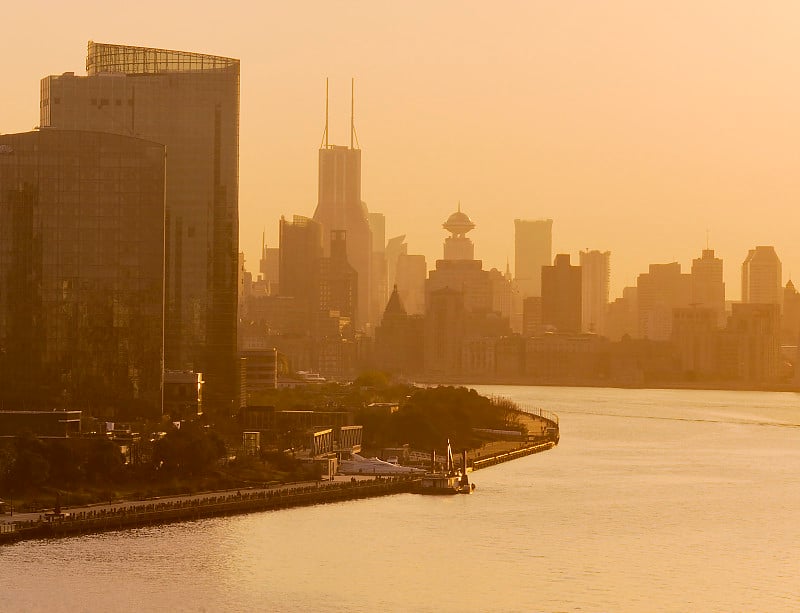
x=637 y=129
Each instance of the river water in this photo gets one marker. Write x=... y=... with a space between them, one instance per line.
x=655 y=500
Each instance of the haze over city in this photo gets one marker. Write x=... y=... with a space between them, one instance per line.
x=636 y=128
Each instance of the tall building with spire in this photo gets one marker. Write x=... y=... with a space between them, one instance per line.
x=190 y=103
x=340 y=208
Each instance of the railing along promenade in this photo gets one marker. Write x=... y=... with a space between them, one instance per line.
x=546 y=440
x=138 y=514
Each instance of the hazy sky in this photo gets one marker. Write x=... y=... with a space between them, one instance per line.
x=635 y=125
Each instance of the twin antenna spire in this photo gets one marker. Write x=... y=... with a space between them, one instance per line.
x=354 y=144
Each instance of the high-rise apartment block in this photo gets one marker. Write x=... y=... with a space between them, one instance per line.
x=81 y=272
x=533 y=248
x=595 y=279
x=561 y=295
x=190 y=103
x=761 y=277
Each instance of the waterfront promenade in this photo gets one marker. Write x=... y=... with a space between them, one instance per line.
x=114 y=516
x=129 y=514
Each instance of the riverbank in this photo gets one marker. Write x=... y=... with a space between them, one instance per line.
x=84 y=520
x=648 y=385
x=543 y=435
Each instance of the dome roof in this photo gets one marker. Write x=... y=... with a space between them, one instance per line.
x=458 y=222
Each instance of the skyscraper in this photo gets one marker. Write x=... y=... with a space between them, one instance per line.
x=380 y=267
x=659 y=291
x=533 y=248
x=190 y=103
x=708 y=289
x=81 y=272
x=339 y=207
x=595 y=278
x=761 y=276
x=300 y=253
x=561 y=295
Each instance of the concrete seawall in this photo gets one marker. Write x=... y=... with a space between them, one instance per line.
x=131 y=516
x=512 y=455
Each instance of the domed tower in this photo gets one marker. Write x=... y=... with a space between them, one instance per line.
x=458 y=246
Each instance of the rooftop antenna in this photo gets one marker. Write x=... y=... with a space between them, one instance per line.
x=353 y=135
x=324 y=143
x=706 y=239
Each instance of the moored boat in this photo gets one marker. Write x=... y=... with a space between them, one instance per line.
x=448 y=481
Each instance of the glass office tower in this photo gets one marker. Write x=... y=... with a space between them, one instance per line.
x=81 y=272
x=190 y=103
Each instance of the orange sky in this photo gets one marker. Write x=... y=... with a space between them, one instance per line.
x=635 y=125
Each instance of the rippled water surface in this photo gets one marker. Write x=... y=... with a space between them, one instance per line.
x=655 y=500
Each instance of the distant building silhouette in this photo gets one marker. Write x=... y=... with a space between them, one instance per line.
x=81 y=272
x=399 y=343
x=595 y=279
x=790 y=319
x=660 y=290
x=338 y=280
x=339 y=207
x=395 y=246
x=561 y=295
x=270 y=266
x=533 y=248
x=708 y=288
x=761 y=277
x=190 y=103
x=459 y=270
x=380 y=267
x=694 y=332
x=622 y=318
x=458 y=246
x=410 y=282
x=300 y=254
x=532 y=316
x=749 y=348
x=445 y=328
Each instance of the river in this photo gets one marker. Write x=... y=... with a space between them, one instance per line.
x=654 y=500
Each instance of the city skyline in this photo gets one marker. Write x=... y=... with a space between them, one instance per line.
x=636 y=129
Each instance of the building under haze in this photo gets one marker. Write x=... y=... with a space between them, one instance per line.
x=533 y=248
x=380 y=267
x=81 y=271
x=300 y=254
x=595 y=279
x=561 y=295
x=190 y=103
x=339 y=207
x=708 y=288
x=761 y=277
x=659 y=291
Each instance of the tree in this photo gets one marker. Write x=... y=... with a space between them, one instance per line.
x=190 y=450
x=31 y=467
